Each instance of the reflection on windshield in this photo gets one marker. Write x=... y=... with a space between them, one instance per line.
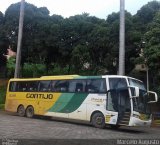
x=140 y=104
x=137 y=83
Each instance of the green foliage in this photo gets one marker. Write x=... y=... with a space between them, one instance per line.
x=1 y=106
x=11 y=67
x=28 y=70
x=81 y=44
x=148 y=11
x=152 y=50
x=55 y=69
x=33 y=70
x=152 y=37
x=2 y=94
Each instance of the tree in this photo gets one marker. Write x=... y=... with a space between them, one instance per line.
x=80 y=44
x=1 y=18
x=130 y=37
x=145 y=16
x=152 y=51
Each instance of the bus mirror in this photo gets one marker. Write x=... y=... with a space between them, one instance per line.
x=153 y=98
x=134 y=91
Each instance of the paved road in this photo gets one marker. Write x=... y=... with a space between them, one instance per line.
x=15 y=127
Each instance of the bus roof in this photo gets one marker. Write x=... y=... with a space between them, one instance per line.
x=68 y=77
x=59 y=76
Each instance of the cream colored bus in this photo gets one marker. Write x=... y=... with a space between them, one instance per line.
x=109 y=99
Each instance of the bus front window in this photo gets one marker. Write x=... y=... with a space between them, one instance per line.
x=140 y=103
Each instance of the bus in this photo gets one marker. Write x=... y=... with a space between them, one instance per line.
x=112 y=100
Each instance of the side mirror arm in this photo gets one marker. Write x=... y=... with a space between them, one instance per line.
x=156 y=97
x=136 y=91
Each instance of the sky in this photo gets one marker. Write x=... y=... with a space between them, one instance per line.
x=67 y=8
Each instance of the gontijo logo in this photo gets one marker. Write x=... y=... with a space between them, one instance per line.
x=39 y=96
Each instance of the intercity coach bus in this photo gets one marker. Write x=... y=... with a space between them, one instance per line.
x=110 y=99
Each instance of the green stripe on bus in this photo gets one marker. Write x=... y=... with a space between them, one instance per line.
x=63 y=100
x=74 y=103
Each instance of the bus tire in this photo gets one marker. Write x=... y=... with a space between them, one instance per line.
x=21 y=111
x=98 y=120
x=29 y=112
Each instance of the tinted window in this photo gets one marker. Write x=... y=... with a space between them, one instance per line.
x=137 y=83
x=117 y=83
x=96 y=86
x=12 y=86
x=112 y=102
x=77 y=86
x=61 y=86
x=23 y=86
x=52 y=85
x=32 y=86
x=18 y=86
x=44 y=86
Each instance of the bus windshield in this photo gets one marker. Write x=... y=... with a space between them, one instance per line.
x=140 y=104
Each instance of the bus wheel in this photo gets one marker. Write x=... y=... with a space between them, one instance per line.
x=98 y=120
x=29 y=112
x=21 y=111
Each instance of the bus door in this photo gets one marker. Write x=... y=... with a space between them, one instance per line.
x=124 y=107
x=120 y=99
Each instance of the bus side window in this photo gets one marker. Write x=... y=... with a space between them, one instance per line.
x=96 y=86
x=12 y=86
x=61 y=86
x=44 y=86
x=32 y=86
x=112 y=101
x=76 y=86
x=72 y=86
x=52 y=86
x=79 y=87
x=23 y=86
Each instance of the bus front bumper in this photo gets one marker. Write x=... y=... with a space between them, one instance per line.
x=138 y=122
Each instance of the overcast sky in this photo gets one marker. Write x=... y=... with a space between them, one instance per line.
x=66 y=8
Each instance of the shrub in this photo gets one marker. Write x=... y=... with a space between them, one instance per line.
x=2 y=94
x=11 y=67
x=1 y=106
x=33 y=70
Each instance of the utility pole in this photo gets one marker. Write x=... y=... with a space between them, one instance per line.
x=146 y=63
x=121 y=70
x=20 y=33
